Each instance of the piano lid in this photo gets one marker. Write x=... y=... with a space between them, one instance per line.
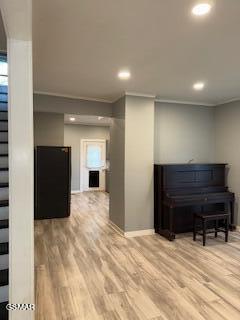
x=192 y=175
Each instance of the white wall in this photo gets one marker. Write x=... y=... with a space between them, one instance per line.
x=21 y=213
x=228 y=146
x=17 y=18
x=184 y=132
x=73 y=133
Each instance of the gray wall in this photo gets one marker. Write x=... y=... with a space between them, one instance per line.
x=228 y=145
x=73 y=133
x=47 y=103
x=117 y=160
x=131 y=162
x=184 y=132
x=139 y=159
x=48 y=129
x=3 y=40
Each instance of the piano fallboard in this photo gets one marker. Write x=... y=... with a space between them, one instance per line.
x=198 y=199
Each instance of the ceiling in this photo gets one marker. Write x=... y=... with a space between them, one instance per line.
x=88 y=120
x=80 y=45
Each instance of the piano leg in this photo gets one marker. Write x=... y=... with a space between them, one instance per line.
x=171 y=217
x=232 y=226
x=168 y=233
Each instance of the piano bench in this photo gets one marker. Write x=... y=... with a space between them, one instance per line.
x=215 y=216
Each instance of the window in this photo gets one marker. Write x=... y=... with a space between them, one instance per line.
x=3 y=70
x=3 y=78
x=94 y=154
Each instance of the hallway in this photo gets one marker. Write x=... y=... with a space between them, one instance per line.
x=84 y=270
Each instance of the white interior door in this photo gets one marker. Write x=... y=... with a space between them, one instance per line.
x=93 y=165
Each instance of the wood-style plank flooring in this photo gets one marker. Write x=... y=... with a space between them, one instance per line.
x=85 y=270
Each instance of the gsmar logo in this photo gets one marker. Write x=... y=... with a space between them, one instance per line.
x=20 y=306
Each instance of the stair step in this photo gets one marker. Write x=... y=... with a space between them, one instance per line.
x=3 y=134
x=4 y=224
x=3 y=142
x=4 y=248
x=3 y=120
x=4 y=155
x=3 y=277
x=4 y=212
x=3 y=106
x=3 y=169
x=3 y=311
x=3 y=162
x=4 y=203
x=3 y=115
x=4 y=185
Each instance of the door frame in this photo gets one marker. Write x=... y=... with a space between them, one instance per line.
x=82 y=154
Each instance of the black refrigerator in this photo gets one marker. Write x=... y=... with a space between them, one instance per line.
x=52 y=182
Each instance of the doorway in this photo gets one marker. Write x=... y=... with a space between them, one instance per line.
x=93 y=165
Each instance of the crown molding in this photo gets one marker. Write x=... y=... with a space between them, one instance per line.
x=119 y=97
x=186 y=102
x=54 y=94
x=133 y=94
x=138 y=94
x=228 y=101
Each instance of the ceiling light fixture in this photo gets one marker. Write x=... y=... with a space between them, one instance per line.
x=201 y=9
x=124 y=75
x=72 y=119
x=198 y=86
x=100 y=118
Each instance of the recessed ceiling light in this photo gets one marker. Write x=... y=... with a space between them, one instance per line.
x=198 y=86
x=100 y=118
x=72 y=119
x=201 y=9
x=124 y=75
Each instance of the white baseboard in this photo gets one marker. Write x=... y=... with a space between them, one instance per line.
x=139 y=233
x=131 y=234
x=75 y=191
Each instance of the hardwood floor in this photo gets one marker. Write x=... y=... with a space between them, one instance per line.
x=85 y=270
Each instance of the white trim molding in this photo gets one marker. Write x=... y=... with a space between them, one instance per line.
x=186 y=102
x=75 y=191
x=55 y=94
x=139 y=233
x=228 y=101
x=138 y=94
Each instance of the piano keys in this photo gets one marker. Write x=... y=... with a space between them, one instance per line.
x=180 y=190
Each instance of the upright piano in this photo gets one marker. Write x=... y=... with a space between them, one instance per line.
x=180 y=190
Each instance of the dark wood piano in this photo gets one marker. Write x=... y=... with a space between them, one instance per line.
x=182 y=189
